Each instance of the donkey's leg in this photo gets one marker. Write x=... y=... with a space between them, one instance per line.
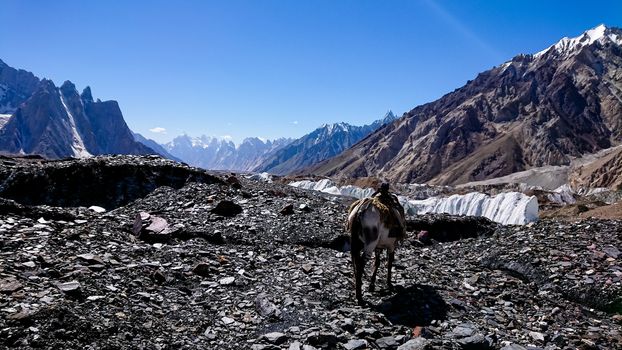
x=372 y=283
x=358 y=263
x=390 y=266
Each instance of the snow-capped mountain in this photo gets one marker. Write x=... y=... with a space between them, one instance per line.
x=322 y=143
x=534 y=110
x=40 y=118
x=221 y=153
x=567 y=47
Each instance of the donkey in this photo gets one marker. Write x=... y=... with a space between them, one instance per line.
x=374 y=224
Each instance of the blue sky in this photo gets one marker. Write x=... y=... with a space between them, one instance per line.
x=277 y=68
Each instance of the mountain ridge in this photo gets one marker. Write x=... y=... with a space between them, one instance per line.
x=320 y=144
x=533 y=110
x=221 y=153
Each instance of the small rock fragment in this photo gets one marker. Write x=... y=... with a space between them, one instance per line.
x=227 y=208
x=227 y=281
x=275 y=337
x=355 y=344
x=70 y=288
x=414 y=344
x=287 y=210
x=202 y=269
x=91 y=259
x=264 y=306
x=9 y=285
x=97 y=209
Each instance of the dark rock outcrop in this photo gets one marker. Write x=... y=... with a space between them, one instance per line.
x=108 y=182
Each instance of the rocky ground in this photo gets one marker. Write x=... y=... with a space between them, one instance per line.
x=229 y=263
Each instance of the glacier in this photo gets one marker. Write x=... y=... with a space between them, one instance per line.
x=265 y=177
x=508 y=208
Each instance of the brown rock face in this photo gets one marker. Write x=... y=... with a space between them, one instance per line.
x=534 y=110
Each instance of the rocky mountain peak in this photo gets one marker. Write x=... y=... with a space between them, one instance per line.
x=320 y=144
x=86 y=94
x=68 y=88
x=46 y=85
x=570 y=46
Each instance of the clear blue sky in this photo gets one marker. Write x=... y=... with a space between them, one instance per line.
x=277 y=68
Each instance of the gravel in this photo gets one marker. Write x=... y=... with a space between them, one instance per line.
x=259 y=279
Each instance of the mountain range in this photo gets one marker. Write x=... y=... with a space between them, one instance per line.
x=321 y=144
x=281 y=156
x=37 y=117
x=534 y=110
x=221 y=153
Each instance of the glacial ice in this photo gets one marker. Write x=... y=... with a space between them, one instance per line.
x=265 y=177
x=509 y=208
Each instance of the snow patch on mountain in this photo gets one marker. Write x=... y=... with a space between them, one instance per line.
x=4 y=118
x=568 y=46
x=220 y=153
x=78 y=147
x=509 y=208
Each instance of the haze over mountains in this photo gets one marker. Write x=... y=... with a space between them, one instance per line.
x=534 y=110
x=222 y=154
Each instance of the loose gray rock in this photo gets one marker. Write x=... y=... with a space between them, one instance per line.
x=275 y=337
x=475 y=342
x=415 y=344
x=355 y=344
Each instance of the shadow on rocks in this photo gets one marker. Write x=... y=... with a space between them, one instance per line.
x=416 y=305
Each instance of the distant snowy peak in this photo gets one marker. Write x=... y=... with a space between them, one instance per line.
x=389 y=117
x=569 y=46
x=205 y=141
x=335 y=127
x=220 y=153
x=322 y=143
x=345 y=127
